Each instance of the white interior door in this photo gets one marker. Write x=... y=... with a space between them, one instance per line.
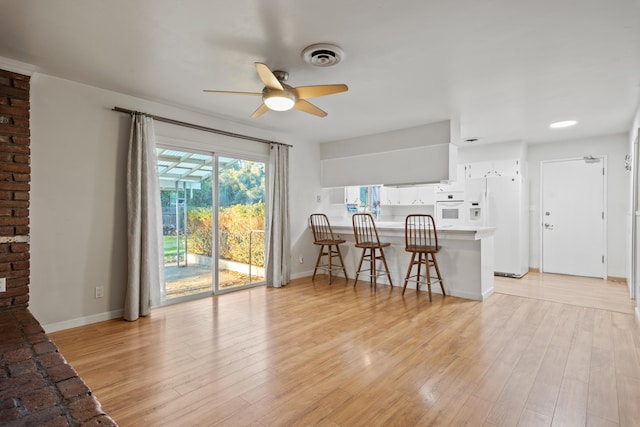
x=572 y=217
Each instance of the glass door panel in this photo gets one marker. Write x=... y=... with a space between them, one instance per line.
x=241 y=219
x=187 y=222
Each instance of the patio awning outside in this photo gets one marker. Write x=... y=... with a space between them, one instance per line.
x=187 y=168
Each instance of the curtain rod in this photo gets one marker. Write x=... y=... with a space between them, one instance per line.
x=198 y=127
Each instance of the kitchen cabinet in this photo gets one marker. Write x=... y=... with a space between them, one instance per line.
x=407 y=196
x=510 y=167
x=352 y=195
x=426 y=194
x=388 y=196
x=507 y=167
x=478 y=170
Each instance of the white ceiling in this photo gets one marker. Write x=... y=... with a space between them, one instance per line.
x=503 y=69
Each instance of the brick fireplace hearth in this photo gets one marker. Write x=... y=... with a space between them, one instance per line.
x=37 y=386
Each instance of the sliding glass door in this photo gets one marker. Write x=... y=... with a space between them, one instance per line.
x=195 y=202
x=241 y=219
x=187 y=222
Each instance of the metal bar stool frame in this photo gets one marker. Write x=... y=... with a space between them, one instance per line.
x=366 y=238
x=323 y=236
x=421 y=239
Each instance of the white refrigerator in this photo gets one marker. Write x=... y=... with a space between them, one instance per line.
x=502 y=202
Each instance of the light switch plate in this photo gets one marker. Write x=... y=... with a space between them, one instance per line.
x=3 y=285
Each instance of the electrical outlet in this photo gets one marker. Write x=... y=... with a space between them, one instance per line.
x=301 y=259
x=99 y=291
x=3 y=285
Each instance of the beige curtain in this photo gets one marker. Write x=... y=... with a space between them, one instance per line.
x=278 y=256
x=144 y=221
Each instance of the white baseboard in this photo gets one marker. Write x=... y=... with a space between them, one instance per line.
x=469 y=295
x=82 y=321
x=638 y=313
x=301 y=275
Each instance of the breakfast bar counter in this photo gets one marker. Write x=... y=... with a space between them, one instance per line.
x=465 y=260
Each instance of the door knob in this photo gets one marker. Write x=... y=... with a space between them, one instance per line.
x=548 y=226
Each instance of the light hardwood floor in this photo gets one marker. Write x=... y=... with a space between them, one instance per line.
x=314 y=354
x=574 y=290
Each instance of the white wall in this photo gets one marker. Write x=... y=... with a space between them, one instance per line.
x=78 y=210
x=304 y=193
x=614 y=147
x=418 y=136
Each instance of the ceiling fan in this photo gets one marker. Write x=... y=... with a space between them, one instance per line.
x=279 y=96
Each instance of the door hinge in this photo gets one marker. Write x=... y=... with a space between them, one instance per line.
x=603 y=259
x=602 y=171
x=602 y=214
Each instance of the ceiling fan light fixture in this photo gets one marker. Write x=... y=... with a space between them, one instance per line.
x=279 y=96
x=279 y=100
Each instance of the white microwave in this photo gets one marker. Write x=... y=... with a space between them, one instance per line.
x=451 y=212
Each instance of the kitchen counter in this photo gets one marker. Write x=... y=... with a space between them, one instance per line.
x=465 y=260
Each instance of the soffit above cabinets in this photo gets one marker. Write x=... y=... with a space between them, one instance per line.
x=422 y=165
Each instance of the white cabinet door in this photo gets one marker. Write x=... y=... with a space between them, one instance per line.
x=407 y=195
x=479 y=169
x=506 y=167
x=388 y=196
x=426 y=195
x=353 y=195
x=462 y=172
x=486 y=169
x=416 y=195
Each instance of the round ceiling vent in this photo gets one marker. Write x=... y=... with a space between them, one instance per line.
x=322 y=54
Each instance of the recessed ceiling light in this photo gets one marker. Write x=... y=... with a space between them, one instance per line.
x=562 y=124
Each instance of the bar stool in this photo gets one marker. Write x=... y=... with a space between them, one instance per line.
x=421 y=239
x=366 y=236
x=323 y=237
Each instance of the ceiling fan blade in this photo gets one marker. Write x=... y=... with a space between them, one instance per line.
x=234 y=93
x=308 y=107
x=267 y=77
x=260 y=111
x=306 y=92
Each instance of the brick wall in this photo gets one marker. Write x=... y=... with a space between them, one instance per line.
x=15 y=175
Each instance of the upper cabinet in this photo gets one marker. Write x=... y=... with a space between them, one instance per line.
x=511 y=167
x=352 y=195
x=388 y=195
x=407 y=196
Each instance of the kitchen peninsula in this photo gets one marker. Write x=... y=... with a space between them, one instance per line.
x=465 y=260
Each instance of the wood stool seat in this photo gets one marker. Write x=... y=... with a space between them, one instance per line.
x=421 y=239
x=329 y=246
x=366 y=236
